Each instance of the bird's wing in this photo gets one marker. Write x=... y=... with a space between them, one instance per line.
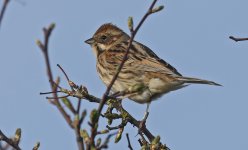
x=151 y=60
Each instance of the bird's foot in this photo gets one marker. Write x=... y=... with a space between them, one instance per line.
x=142 y=123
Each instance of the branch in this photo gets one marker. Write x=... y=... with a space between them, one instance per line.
x=54 y=86
x=79 y=139
x=44 y=48
x=129 y=143
x=77 y=121
x=81 y=92
x=5 y=4
x=238 y=39
x=105 y=143
x=12 y=142
x=126 y=117
x=106 y=94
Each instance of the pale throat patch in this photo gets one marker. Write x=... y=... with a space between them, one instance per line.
x=102 y=46
x=96 y=49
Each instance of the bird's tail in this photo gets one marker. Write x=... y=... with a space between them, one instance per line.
x=197 y=81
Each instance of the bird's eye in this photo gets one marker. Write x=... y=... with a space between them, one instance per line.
x=103 y=37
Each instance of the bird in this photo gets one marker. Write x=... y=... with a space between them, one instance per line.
x=145 y=76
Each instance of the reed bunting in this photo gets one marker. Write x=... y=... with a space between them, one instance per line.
x=144 y=76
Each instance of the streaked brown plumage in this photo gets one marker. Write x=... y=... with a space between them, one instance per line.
x=144 y=75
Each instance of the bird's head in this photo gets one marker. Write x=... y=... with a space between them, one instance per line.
x=107 y=36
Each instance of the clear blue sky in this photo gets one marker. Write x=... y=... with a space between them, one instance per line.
x=191 y=35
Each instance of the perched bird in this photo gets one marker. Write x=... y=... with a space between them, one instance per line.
x=144 y=76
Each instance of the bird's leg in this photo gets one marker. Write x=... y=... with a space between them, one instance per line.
x=147 y=108
x=142 y=123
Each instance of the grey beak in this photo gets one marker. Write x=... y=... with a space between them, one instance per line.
x=89 y=41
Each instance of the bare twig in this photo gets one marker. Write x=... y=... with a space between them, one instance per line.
x=129 y=143
x=140 y=142
x=238 y=39
x=83 y=115
x=79 y=139
x=67 y=78
x=5 y=4
x=9 y=141
x=58 y=97
x=79 y=93
x=43 y=93
x=78 y=124
x=44 y=48
x=105 y=143
x=116 y=127
x=78 y=121
x=125 y=57
x=54 y=85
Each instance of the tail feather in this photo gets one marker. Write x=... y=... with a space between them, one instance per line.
x=197 y=81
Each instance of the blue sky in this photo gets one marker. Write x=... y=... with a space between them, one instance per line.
x=191 y=35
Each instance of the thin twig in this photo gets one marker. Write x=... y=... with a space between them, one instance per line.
x=44 y=48
x=9 y=141
x=80 y=140
x=83 y=115
x=54 y=86
x=125 y=57
x=78 y=105
x=115 y=127
x=54 y=98
x=78 y=123
x=79 y=93
x=5 y=4
x=105 y=143
x=140 y=142
x=43 y=93
x=67 y=78
x=238 y=39
x=129 y=143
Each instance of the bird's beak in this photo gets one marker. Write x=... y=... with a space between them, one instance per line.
x=89 y=41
